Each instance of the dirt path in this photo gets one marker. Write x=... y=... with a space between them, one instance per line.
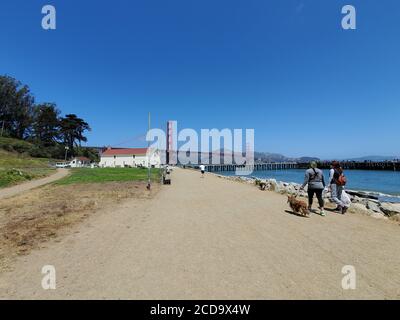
x=12 y=191
x=213 y=239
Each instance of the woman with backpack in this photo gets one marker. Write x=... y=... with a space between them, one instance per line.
x=314 y=177
x=337 y=181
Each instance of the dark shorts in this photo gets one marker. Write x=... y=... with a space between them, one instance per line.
x=202 y=171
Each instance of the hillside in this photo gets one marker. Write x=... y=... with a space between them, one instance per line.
x=15 y=145
x=374 y=158
x=17 y=166
x=276 y=157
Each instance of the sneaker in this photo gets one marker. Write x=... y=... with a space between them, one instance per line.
x=344 y=210
x=322 y=213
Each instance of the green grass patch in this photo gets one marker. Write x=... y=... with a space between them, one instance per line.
x=98 y=175
x=10 y=160
x=16 y=168
x=10 y=177
x=13 y=176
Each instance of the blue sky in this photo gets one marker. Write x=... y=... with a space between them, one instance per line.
x=285 y=68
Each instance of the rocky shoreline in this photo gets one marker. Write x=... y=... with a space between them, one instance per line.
x=364 y=202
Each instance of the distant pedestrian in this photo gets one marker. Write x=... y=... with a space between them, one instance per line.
x=314 y=178
x=202 y=169
x=337 y=181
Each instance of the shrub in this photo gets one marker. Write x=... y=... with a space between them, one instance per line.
x=13 y=176
x=14 y=145
x=38 y=152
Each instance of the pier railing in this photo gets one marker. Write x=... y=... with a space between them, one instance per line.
x=247 y=167
x=347 y=165
x=355 y=165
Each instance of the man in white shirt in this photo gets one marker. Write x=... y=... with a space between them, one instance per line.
x=202 y=169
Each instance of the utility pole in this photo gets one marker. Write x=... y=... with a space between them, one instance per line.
x=66 y=151
x=148 y=161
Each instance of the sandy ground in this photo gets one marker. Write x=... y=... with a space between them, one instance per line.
x=12 y=191
x=213 y=239
x=29 y=220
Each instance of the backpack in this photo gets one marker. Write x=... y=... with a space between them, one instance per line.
x=341 y=180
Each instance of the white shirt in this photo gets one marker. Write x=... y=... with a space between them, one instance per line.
x=202 y=167
x=331 y=173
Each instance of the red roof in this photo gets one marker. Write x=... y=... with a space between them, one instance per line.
x=82 y=158
x=127 y=151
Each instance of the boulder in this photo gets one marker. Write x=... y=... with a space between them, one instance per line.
x=280 y=187
x=396 y=217
x=303 y=194
x=291 y=189
x=378 y=215
x=359 y=207
x=390 y=209
x=371 y=205
x=273 y=185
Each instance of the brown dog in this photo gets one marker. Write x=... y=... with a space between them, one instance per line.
x=298 y=206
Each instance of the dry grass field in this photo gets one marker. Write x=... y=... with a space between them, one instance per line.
x=30 y=219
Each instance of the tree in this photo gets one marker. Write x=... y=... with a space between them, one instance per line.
x=23 y=113
x=8 y=87
x=72 y=131
x=41 y=124
x=46 y=124
x=16 y=107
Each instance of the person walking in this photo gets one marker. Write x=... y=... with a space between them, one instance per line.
x=315 y=180
x=337 y=182
x=202 y=169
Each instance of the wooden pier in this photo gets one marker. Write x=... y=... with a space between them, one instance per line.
x=252 y=167
x=347 y=165
x=365 y=165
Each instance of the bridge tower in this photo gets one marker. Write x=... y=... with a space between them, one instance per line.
x=171 y=143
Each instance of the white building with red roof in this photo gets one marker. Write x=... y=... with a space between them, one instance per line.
x=130 y=157
x=79 y=162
